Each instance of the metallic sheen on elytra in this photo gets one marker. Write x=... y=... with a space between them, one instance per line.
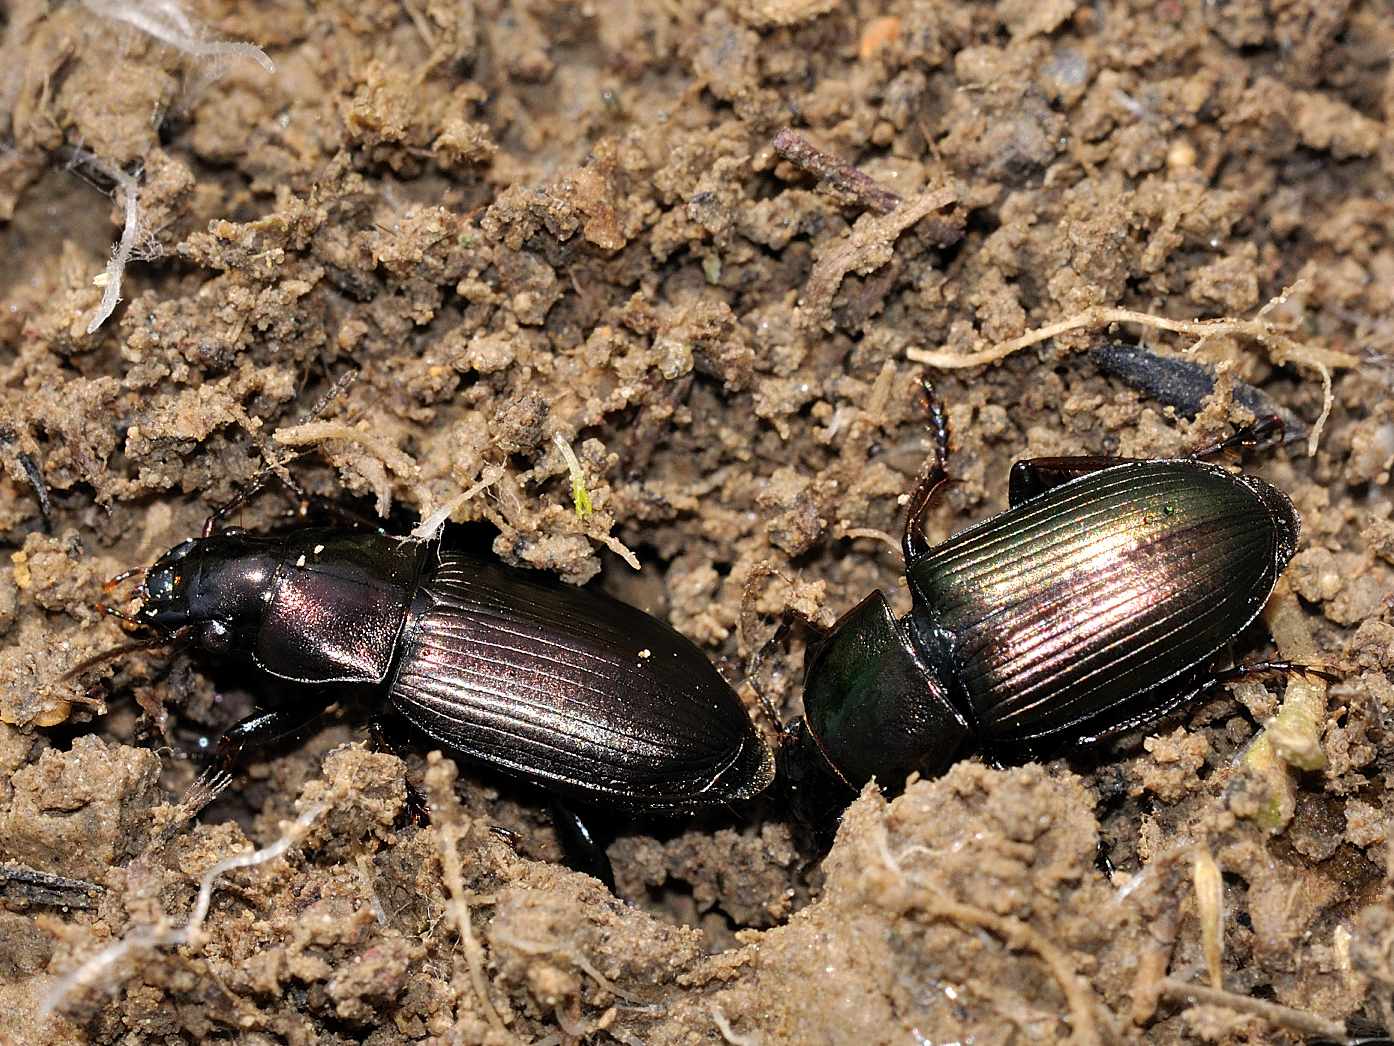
x=1094 y=604
x=1068 y=612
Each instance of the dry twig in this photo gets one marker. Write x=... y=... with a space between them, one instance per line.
x=1281 y=347
x=839 y=176
x=867 y=247
x=451 y=827
x=1210 y=910
x=162 y=934
x=1274 y=1013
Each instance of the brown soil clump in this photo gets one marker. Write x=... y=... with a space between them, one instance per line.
x=702 y=245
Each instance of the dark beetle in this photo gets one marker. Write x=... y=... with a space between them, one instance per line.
x=563 y=687
x=1185 y=384
x=1094 y=604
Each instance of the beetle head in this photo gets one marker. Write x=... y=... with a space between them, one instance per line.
x=217 y=585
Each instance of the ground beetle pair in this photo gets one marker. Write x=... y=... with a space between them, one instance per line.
x=1093 y=604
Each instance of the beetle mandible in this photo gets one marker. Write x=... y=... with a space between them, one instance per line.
x=1093 y=605
x=565 y=688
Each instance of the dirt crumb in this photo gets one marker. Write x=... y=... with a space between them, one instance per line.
x=703 y=247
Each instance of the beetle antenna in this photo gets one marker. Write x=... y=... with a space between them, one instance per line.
x=110 y=583
x=933 y=476
x=125 y=648
x=752 y=674
x=120 y=615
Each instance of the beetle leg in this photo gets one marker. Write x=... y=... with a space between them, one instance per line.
x=259 y=482
x=261 y=728
x=935 y=475
x=1261 y=431
x=584 y=847
x=35 y=475
x=788 y=618
x=1034 y=476
x=1271 y=668
x=815 y=791
x=305 y=503
x=210 y=525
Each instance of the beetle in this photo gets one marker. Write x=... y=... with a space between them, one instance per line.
x=1094 y=604
x=1185 y=384
x=566 y=688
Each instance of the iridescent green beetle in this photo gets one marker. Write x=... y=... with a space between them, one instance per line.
x=1094 y=604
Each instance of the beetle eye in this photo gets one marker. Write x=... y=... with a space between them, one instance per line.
x=159 y=584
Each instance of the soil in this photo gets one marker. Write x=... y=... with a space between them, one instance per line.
x=440 y=234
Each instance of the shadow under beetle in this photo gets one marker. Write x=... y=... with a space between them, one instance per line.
x=1093 y=605
x=565 y=688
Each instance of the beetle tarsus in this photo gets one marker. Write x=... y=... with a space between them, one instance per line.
x=416 y=808
x=508 y=835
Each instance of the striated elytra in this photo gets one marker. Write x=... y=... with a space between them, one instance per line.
x=1094 y=604
x=566 y=688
